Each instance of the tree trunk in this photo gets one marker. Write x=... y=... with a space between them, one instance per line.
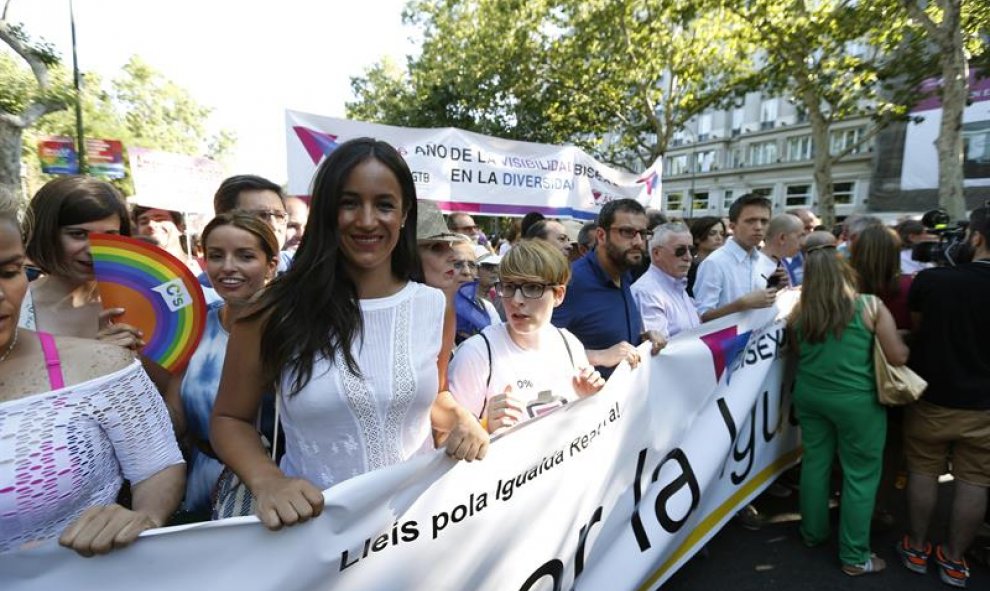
x=10 y=158
x=955 y=91
x=823 y=159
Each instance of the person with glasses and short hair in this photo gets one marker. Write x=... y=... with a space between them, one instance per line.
x=261 y=197
x=521 y=369
x=600 y=309
x=462 y=223
x=661 y=293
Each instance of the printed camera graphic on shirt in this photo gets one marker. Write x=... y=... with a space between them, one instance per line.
x=545 y=402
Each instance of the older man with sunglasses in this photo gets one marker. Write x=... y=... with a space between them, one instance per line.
x=661 y=293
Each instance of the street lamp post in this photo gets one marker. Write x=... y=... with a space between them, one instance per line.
x=80 y=140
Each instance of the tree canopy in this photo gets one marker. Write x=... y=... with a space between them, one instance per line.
x=616 y=77
x=139 y=106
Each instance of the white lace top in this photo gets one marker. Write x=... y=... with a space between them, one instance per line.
x=340 y=425
x=64 y=451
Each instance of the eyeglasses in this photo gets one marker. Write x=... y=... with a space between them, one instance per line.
x=630 y=233
x=459 y=265
x=532 y=291
x=681 y=250
x=270 y=214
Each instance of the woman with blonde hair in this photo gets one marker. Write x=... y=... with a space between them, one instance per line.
x=515 y=371
x=836 y=401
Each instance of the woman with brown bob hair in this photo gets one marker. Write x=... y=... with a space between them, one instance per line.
x=65 y=301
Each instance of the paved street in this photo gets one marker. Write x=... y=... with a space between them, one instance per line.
x=775 y=558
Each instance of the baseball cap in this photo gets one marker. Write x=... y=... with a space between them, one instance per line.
x=430 y=226
x=489 y=258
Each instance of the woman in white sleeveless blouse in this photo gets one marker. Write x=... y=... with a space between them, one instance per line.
x=355 y=347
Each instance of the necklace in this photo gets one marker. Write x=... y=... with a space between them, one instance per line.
x=10 y=347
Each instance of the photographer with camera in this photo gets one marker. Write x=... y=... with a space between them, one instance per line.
x=952 y=352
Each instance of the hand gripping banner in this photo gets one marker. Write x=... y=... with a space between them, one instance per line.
x=616 y=491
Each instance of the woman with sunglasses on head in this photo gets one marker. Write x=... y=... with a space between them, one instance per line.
x=353 y=346
x=77 y=417
x=516 y=371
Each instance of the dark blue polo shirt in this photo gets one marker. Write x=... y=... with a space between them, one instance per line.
x=598 y=313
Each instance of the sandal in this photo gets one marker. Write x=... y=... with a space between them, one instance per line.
x=874 y=565
x=914 y=559
x=951 y=572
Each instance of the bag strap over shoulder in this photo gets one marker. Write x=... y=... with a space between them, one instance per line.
x=570 y=354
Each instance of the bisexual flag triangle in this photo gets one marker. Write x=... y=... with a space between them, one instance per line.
x=317 y=143
x=725 y=346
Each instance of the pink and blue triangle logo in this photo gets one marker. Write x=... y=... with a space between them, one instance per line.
x=651 y=181
x=317 y=143
x=726 y=346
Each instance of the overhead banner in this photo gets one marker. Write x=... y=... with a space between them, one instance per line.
x=615 y=491
x=920 y=170
x=465 y=171
x=175 y=182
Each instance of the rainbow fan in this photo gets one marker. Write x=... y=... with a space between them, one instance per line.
x=158 y=293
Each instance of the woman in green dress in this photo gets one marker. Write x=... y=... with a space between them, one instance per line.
x=836 y=401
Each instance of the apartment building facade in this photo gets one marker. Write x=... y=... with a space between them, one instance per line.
x=763 y=145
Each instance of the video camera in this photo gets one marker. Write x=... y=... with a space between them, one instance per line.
x=951 y=238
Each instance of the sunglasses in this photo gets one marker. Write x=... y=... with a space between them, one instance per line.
x=630 y=233
x=681 y=250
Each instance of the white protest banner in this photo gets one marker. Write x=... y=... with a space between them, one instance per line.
x=613 y=492
x=465 y=171
x=176 y=182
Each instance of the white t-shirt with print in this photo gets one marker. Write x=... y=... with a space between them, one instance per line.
x=542 y=379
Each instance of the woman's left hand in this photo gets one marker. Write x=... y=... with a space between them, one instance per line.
x=588 y=381
x=468 y=440
x=103 y=528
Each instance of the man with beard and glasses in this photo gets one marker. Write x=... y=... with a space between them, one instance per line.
x=599 y=307
x=737 y=276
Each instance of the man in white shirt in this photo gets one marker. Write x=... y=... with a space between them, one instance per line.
x=735 y=277
x=661 y=293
